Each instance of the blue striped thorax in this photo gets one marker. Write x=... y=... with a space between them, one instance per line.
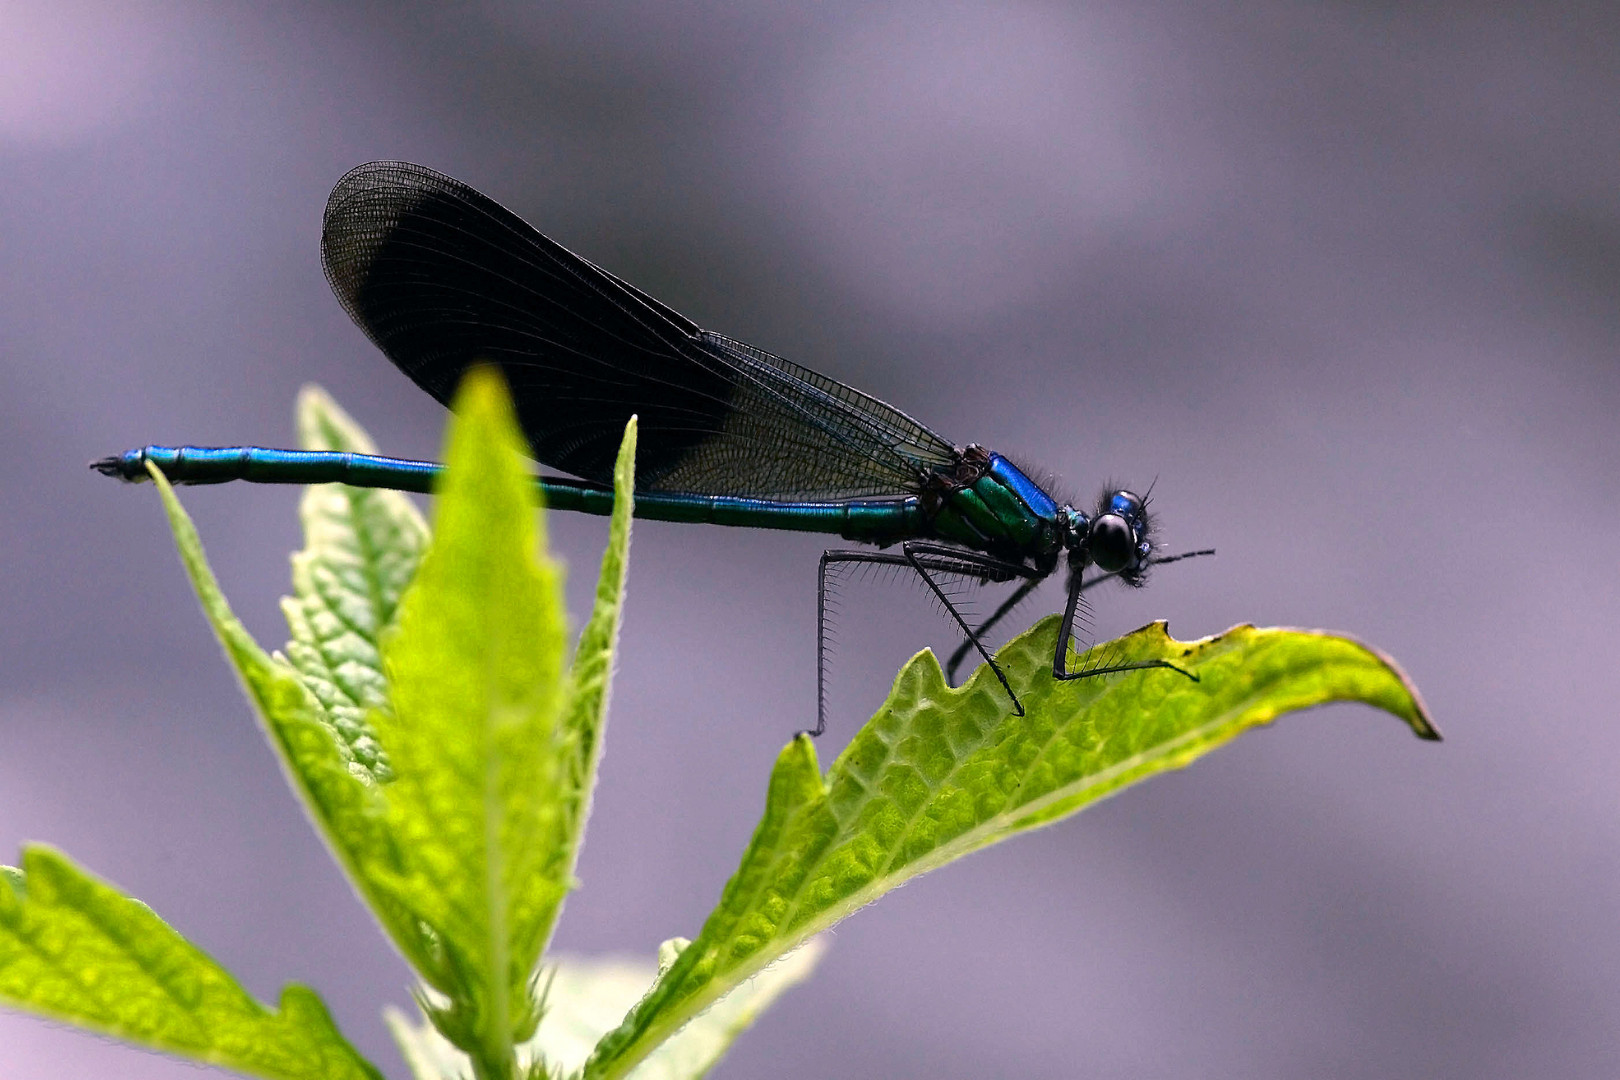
x=990 y=505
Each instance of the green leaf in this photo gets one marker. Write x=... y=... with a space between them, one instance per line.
x=474 y=739
x=586 y=997
x=696 y=1048
x=362 y=546
x=73 y=948
x=341 y=792
x=940 y=772
x=448 y=761
x=578 y=741
x=592 y=672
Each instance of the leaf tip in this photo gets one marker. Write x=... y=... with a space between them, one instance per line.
x=796 y=776
x=482 y=390
x=1408 y=705
x=157 y=475
x=1405 y=702
x=313 y=396
x=1417 y=716
x=1422 y=724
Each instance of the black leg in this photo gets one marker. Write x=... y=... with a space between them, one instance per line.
x=921 y=557
x=1060 y=658
x=1024 y=590
x=985 y=627
x=828 y=558
x=915 y=553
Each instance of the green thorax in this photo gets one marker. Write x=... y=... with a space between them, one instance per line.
x=989 y=505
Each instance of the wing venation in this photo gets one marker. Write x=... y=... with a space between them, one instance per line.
x=441 y=277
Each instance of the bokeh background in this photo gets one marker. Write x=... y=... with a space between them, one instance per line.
x=1343 y=278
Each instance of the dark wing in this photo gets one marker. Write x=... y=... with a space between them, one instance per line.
x=441 y=277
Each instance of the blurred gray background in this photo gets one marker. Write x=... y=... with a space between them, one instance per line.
x=1344 y=278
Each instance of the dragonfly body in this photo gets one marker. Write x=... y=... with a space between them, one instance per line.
x=869 y=521
x=987 y=504
x=441 y=277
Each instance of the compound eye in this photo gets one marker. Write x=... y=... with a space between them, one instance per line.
x=1112 y=543
x=1126 y=504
